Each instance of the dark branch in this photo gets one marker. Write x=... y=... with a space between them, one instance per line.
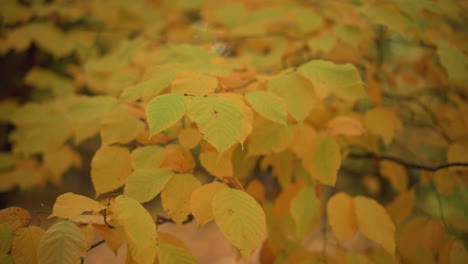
x=96 y=244
x=408 y=164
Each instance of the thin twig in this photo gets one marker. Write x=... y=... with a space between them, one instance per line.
x=96 y=244
x=408 y=164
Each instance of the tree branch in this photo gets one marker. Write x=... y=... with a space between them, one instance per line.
x=408 y=164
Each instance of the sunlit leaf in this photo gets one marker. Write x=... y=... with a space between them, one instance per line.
x=268 y=105
x=200 y=201
x=176 y=196
x=296 y=91
x=305 y=210
x=164 y=111
x=139 y=228
x=145 y=183
x=218 y=119
x=170 y=254
x=14 y=217
x=323 y=160
x=240 y=218
x=69 y=205
x=340 y=79
x=110 y=168
x=25 y=244
x=63 y=242
x=342 y=216
x=375 y=223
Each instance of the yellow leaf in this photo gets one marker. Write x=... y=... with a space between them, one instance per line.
x=194 y=83
x=110 y=168
x=305 y=210
x=342 y=216
x=178 y=159
x=69 y=205
x=63 y=242
x=139 y=229
x=120 y=127
x=396 y=174
x=256 y=190
x=176 y=196
x=400 y=208
x=375 y=223
x=455 y=61
x=458 y=253
x=170 y=254
x=26 y=243
x=457 y=153
x=60 y=160
x=345 y=125
x=240 y=218
x=189 y=137
x=248 y=114
x=283 y=165
x=446 y=180
x=304 y=136
x=218 y=166
x=111 y=236
x=200 y=201
x=6 y=238
x=323 y=159
x=382 y=122
x=14 y=217
x=144 y=184
x=410 y=235
x=283 y=203
x=242 y=165
x=268 y=137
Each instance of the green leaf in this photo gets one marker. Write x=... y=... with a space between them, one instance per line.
x=305 y=210
x=63 y=243
x=176 y=196
x=454 y=61
x=170 y=254
x=268 y=137
x=240 y=218
x=219 y=119
x=164 y=111
x=110 y=168
x=328 y=77
x=350 y=34
x=6 y=238
x=144 y=184
x=323 y=160
x=268 y=105
x=147 y=157
x=138 y=227
x=26 y=243
x=296 y=91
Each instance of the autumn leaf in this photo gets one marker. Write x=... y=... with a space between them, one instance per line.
x=138 y=227
x=26 y=243
x=69 y=205
x=110 y=168
x=323 y=160
x=14 y=217
x=200 y=201
x=240 y=218
x=164 y=111
x=144 y=184
x=268 y=105
x=63 y=242
x=342 y=216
